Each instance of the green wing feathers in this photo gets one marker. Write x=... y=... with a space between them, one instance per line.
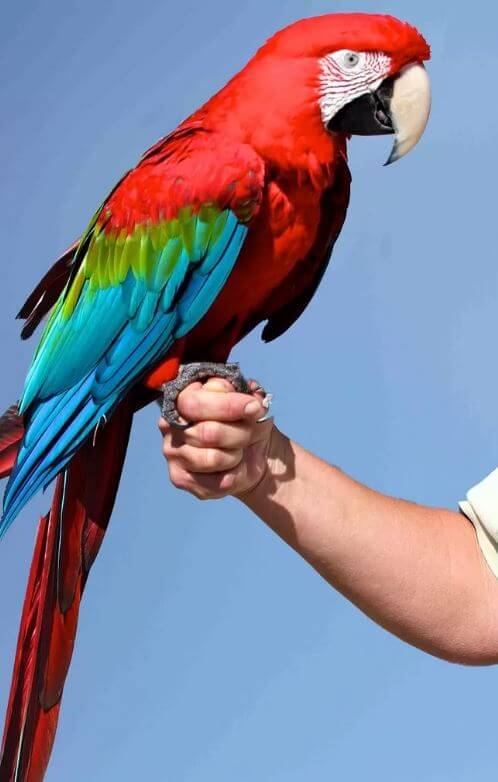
x=123 y=277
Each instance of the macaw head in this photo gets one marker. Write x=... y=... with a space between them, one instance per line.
x=348 y=74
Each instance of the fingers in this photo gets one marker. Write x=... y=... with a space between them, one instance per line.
x=210 y=486
x=224 y=418
x=202 y=460
x=214 y=434
x=224 y=451
x=202 y=404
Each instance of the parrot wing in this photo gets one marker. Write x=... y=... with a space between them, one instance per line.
x=46 y=293
x=308 y=275
x=153 y=260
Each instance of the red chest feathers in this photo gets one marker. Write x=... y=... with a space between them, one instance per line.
x=291 y=215
x=279 y=239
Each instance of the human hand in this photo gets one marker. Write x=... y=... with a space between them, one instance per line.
x=226 y=451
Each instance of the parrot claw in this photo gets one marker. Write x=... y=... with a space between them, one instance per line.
x=190 y=373
x=257 y=388
x=266 y=402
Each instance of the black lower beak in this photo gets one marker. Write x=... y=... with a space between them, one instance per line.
x=368 y=115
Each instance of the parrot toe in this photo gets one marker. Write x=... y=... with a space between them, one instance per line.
x=191 y=373
x=266 y=401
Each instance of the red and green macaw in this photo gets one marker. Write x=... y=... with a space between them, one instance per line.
x=227 y=222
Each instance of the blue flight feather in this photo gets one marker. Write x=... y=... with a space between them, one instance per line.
x=98 y=361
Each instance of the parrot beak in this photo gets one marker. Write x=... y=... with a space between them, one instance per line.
x=399 y=106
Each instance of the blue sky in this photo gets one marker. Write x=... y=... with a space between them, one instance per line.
x=207 y=650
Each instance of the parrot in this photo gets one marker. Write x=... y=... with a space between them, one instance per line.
x=226 y=223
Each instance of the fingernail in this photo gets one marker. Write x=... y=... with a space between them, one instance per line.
x=217 y=384
x=252 y=408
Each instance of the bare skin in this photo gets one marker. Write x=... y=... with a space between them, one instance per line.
x=415 y=570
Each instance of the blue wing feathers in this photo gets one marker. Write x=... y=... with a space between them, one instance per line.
x=153 y=317
x=174 y=282
x=146 y=311
x=136 y=352
x=206 y=286
x=32 y=462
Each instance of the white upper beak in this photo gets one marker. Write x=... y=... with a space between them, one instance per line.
x=410 y=108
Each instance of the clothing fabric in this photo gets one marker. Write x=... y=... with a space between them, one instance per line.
x=481 y=508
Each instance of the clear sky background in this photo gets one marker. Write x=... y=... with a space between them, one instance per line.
x=207 y=650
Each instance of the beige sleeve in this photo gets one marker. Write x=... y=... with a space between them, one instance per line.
x=481 y=507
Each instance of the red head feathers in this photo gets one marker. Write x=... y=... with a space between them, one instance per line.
x=322 y=79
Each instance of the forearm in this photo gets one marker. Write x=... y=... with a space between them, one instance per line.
x=417 y=571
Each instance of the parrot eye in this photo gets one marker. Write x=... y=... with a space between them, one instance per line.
x=347 y=60
x=350 y=59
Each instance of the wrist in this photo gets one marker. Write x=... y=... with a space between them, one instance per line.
x=278 y=469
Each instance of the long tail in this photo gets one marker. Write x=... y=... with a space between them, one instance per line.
x=68 y=541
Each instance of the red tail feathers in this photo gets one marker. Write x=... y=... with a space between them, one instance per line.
x=68 y=541
x=11 y=434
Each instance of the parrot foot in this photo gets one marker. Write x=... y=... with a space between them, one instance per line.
x=190 y=373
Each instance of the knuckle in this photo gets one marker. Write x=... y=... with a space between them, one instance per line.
x=162 y=425
x=212 y=459
x=210 y=432
x=244 y=436
x=188 y=404
x=200 y=492
x=167 y=449
x=237 y=457
x=233 y=406
x=231 y=460
x=177 y=476
x=212 y=494
x=229 y=483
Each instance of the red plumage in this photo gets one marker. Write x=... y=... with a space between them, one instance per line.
x=194 y=165
x=11 y=434
x=296 y=188
x=67 y=543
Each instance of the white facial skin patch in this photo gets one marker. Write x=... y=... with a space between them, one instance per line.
x=346 y=75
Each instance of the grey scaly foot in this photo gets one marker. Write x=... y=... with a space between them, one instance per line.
x=190 y=373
